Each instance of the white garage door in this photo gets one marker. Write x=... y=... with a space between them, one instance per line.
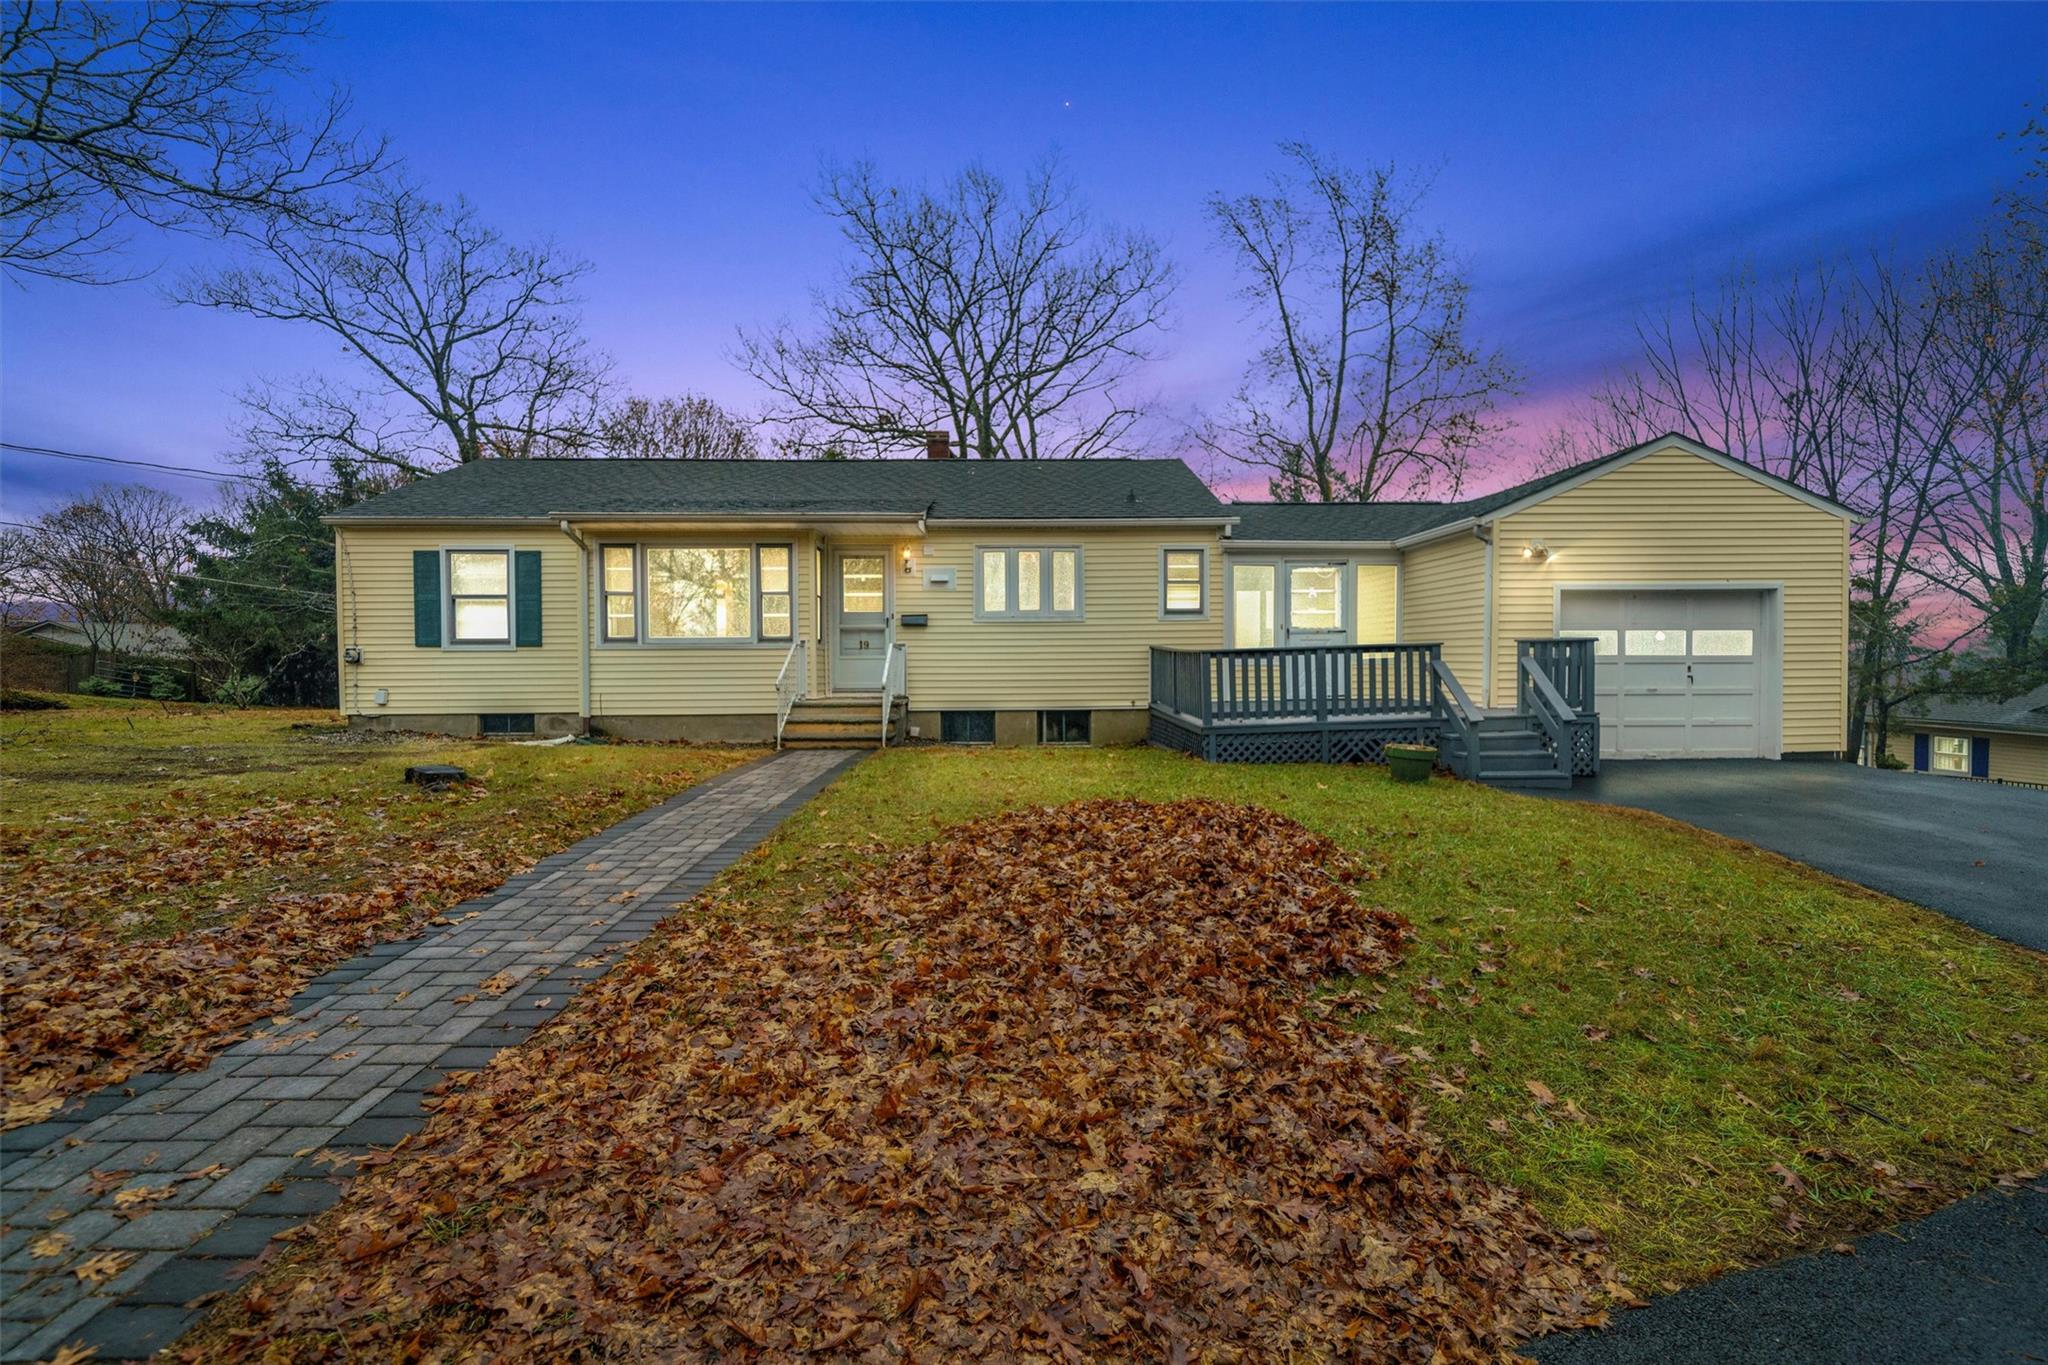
x=1679 y=673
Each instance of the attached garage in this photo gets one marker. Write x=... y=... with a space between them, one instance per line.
x=1719 y=595
x=1681 y=672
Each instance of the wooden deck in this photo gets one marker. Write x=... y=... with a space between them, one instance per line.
x=1324 y=704
x=1346 y=703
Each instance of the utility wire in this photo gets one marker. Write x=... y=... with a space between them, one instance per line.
x=189 y=471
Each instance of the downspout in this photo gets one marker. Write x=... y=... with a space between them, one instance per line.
x=1485 y=537
x=583 y=589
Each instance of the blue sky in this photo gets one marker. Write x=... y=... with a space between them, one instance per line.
x=1591 y=162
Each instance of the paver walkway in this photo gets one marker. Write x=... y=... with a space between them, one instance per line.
x=247 y=1147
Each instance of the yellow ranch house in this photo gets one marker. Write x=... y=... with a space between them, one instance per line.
x=1663 y=601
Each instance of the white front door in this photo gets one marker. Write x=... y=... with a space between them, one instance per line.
x=1678 y=673
x=860 y=618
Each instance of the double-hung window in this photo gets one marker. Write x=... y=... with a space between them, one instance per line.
x=682 y=593
x=1951 y=754
x=1183 y=582
x=621 y=596
x=480 y=597
x=1028 y=583
x=778 y=592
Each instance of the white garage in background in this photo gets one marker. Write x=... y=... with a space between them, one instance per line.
x=1682 y=671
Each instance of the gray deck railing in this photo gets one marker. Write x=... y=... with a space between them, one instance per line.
x=1566 y=663
x=1316 y=683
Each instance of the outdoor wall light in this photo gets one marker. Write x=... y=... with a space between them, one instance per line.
x=909 y=560
x=1537 y=551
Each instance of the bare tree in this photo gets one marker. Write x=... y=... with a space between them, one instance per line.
x=467 y=346
x=1001 y=316
x=19 y=597
x=687 y=427
x=110 y=560
x=1367 y=383
x=159 y=113
x=1993 y=528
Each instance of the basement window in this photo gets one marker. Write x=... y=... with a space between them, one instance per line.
x=1063 y=727
x=967 y=727
x=507 y=722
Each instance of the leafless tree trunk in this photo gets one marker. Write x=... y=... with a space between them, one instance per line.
x=1001 y=317
x=165 y=114
x=1993 y=529
x=689 y=427
x=1367 y=384
x=469 y=346
x=110 y=560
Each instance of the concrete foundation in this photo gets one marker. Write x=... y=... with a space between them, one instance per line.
x=1019 y=729
x=546 y=724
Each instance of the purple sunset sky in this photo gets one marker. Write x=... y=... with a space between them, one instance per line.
x=1592 y=163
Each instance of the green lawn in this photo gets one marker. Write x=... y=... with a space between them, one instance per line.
x=1712 y=1055
x=153 y=818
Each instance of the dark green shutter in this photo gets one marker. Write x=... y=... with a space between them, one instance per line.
x=526 y=597
x=426 y=599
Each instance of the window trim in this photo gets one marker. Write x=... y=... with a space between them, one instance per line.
x=448 y=598
x=1934 y=754
x=642 y=640
x=1201 y=554
x=1046 y=613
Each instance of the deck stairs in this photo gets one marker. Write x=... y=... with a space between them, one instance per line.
x=1508 y=750
x=848 y=720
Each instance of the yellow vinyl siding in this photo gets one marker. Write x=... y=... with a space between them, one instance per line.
x=1672 y=516
x=1100 y=662
x=703 y=679
x=374 y=606
x=1376 y=588
x=2014 y=758
x=1443 y=599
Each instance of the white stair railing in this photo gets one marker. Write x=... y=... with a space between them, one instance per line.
x=894 y=666
x=789 y=687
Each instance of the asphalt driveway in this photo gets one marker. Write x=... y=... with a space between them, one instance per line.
x=1973 y=850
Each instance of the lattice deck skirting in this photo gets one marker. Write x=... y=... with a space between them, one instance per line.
x=1351 y=741
x=1585 y=741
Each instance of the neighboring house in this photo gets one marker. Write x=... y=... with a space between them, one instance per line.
x=1018 y=601
x=2004 y=741
x=128 y=639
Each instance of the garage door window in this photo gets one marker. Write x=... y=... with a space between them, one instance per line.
x=1724 y=644
x=1606 y=643
x=1661 y=640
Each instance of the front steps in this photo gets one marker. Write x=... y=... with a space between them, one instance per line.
x=1511 y=752
x=845 y=721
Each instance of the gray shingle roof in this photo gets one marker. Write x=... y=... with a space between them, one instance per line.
x=2028 y=711
x=1063 y=490
x=1370 y=521
x=1337 y=521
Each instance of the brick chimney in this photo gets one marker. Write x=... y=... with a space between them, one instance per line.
x=938 y=445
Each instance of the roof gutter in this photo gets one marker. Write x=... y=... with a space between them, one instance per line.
x=1448 y=529
x=1306 y=546
x=1119 y=523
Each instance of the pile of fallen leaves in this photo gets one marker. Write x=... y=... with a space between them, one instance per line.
x=1051 y=1086
x=88 y=1008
